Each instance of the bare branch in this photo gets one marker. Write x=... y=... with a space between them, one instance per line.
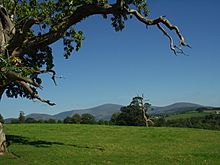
x=26 y=87
x=172 y=46
x=157 y=22
x=52 y=72
x=2 y=90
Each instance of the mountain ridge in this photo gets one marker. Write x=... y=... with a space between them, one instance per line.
x=175 y=108
x=105 y=111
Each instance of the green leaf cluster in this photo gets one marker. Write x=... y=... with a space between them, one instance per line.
x=72 y=36
x=118 y=19
x=50 y=17
x=131 y=115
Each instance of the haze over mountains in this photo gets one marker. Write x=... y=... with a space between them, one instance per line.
x=105 y=111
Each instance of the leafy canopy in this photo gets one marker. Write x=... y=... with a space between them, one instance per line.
x=29 y=27
x=132 y=114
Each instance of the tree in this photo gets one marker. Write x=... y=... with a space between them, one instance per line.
x=59 y=122
x=3 y=143
x=135 y=114
x=144 y=107
x=14 y=121
x=3 y=148
x=1 y=119
x=87 y=118
x=30 y=120
x=29 y=27
x=114 y=118
x=76 y=118
x=51 y=121
x=68 y=120
x=21 y=117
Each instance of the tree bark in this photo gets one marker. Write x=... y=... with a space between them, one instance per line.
x=3 y=148
x=144 y=109
x=6 y=29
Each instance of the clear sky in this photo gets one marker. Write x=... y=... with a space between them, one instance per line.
x=112 y=67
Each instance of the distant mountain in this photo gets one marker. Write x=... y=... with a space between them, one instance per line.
x=100 y=112
x=105 y=111
x=175 y=108
x=38 y=116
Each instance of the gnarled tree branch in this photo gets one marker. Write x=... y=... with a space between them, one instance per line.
x=93 y=9
x=158 y=21
x=81 y=13
x=24 y=42
x=26 y=87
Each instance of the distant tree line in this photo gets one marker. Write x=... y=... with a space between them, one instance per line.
x=80 y=119
x=211 y=121
x=75 y=119
x=134 y=114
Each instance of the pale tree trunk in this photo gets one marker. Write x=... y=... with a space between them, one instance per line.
x=146 y=119
x=3 y=148
x=6 y=28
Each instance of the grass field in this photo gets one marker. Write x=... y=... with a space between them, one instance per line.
x=187 y=115
x=59 y=144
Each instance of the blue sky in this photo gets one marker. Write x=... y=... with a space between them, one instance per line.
x=112 y=67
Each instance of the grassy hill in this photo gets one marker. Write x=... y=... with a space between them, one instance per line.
x=59 y=144
x=187 y=115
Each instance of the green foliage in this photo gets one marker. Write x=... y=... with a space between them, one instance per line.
x=68 y=120
x=30 y=120
x=114 y=118
x=41 y=144
x=87 y=118
x=118 y=19
x=103 y=122
x=131 y=115
x=51 y=121
x=49 y=14
x=25 y=67
x=70 y=37
x=13 y=64
x=76 y=118
x=21 y=117
x=208 y=121
x=34 y=19
x=187 y=115
x=14 y=121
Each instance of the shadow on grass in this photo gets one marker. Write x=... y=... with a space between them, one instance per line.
x=16 y=139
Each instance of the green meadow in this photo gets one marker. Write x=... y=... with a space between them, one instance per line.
x=187 y=115
x=64 y=144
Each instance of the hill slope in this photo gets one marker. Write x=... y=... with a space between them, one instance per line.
x=175 y=108
x=105 y=111
x=100 y=112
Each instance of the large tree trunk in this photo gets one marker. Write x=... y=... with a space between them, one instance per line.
x=3 y=148
x=6 y=29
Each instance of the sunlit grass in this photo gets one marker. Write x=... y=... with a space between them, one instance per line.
x=94 y=144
